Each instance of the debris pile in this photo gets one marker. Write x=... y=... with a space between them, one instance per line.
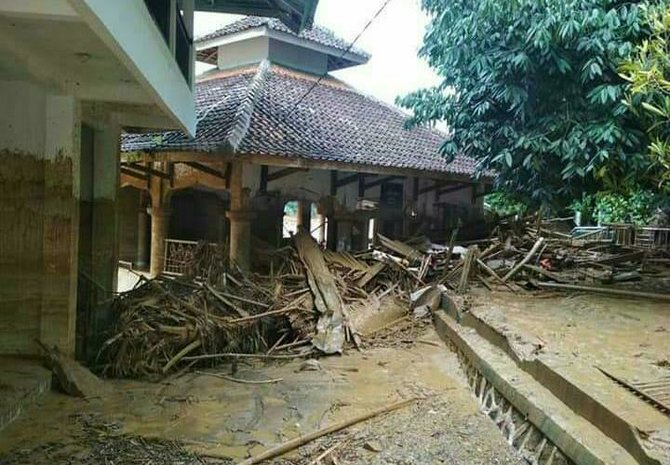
x=313 y=300
x=529 y=257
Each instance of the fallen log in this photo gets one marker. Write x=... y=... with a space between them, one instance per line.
x=302 y=440
x=605 y=290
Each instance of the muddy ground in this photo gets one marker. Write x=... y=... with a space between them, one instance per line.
x=188 y=419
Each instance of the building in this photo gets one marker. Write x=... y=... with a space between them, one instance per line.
x=73 y=75
x=274 y=127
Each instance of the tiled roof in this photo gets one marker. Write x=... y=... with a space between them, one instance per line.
x=253 y=111
x=317 y=34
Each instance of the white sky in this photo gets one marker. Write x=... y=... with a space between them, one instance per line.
x=393 y=40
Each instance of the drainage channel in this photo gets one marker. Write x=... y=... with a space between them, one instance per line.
x=517 y=429
x=534 y=421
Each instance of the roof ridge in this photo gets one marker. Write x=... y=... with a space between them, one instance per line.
x=245 y=110
x=316 y=33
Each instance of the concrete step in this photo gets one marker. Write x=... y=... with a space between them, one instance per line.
x=533 y=419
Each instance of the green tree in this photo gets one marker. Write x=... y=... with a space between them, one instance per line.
x=531 y=89
x=648 y=70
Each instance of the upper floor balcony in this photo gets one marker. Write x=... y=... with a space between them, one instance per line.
x=132 y=58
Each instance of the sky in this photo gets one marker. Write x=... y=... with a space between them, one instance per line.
x=393 y=40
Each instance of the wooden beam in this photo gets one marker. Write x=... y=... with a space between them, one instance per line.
x=486 y=191
x=347 y=180
x=264 y=178
x=283 y=173
x=285 y=162
x=333 y=182
x=436 y=185
x=361 y=185
x=146 y=169
x=380 y=181
x=133 y=174
x=227 y=174
x=450 y=189
x=204 y=168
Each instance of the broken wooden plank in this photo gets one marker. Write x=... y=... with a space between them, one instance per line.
x=470 y=258
x=400 y=248
x=605 y=290
x=546 y=273
x=369 y=275
x=75 y=379
x=329 y=337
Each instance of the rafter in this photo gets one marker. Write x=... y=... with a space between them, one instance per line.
x=450 y=189
x=283 y=173
x=133 y=174
x=146 y=170
x=347 y=180
x=380 y=181
x=205 y=169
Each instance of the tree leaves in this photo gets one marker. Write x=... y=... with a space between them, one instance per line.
x=649 y=93
x=533 y=91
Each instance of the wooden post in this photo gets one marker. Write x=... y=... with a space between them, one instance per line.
x=160 y=221
x=141 y=260
x=303 y=216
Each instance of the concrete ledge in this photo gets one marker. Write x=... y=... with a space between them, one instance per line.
x=576 y=438
x=572 y=395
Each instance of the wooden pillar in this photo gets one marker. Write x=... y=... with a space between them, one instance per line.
x=303 y=216
x=345 y=224
x=240 y=216
x=141 y=260
x=332 y=222
x=322 y=229
x=160 y=223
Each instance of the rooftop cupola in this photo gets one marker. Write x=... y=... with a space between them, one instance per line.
x=252 y=40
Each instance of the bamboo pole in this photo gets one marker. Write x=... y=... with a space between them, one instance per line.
x=525 y=260
x=302 y=440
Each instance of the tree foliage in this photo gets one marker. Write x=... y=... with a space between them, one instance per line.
x=502 y=204
x=648 y=70
x=634 y=205
x=531 y=89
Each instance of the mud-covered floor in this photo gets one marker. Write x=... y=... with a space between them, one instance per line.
x=214 y=416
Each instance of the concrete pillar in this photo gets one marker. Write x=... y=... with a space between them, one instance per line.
x=160 y=223
x=142 y=259
x=239 y=216
x=106 y=173
x=62 y=178
x=240 y=237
